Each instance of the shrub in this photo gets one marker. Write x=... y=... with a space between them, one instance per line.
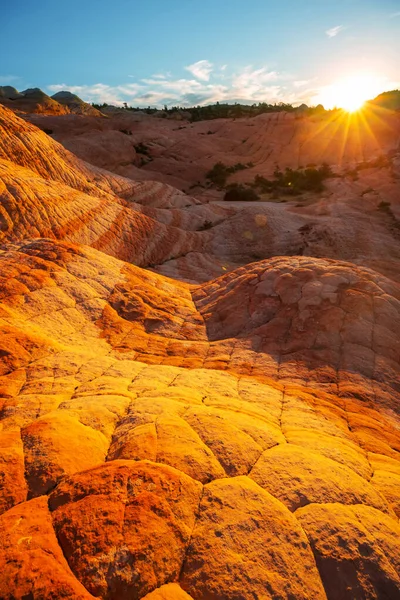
x=219 y=173
x=293 y=182
x=240 y=193
x=142 y=149
x=206 y=225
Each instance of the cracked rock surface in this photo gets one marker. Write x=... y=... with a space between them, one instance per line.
x=165 y=440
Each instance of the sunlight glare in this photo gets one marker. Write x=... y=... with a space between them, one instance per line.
x=351 y=93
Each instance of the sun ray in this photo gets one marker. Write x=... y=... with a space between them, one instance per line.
x=351 y=93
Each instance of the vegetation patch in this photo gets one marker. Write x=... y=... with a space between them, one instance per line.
x=220 y=172
x=222 y=110
x=206 y=225
x=240 y=193
x=293 y=182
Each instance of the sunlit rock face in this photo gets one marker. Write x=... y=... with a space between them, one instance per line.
x=35 y=101
x=166 y=440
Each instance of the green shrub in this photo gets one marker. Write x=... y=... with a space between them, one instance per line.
x=220 y=172
x=294 y=181
x=240 y=193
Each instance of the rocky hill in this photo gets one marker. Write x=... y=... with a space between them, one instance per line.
x=231 y=432
x=75 y=104
x=34 y=100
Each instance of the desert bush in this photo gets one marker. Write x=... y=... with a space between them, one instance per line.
x=206 y=225
x=240 y=193
x=220 y=172
x=141 y=148
x=294 y=181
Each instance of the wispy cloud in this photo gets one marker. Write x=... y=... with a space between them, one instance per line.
x=252 y=81
x=8 y=79
x=301 y=83
x=100 y=92
x=333 y=32
x=248 y=85
x=394 y=15
x=201 y=69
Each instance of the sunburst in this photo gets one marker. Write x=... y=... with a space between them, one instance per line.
x=351 y=93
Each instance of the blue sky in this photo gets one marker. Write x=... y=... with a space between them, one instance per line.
x=196 y=52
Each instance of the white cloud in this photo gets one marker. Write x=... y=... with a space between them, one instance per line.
x=301 y=83
x=394 y=15
x=248 y=85
x=98 y=92
x=331 y=33
x=255 y=84
x=201 y=69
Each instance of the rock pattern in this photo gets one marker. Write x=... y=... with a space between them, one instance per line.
x=181 y=153
x=164 y=440
x=175 y=447
x=356 y=218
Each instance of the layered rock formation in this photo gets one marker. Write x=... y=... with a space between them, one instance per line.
x=181 y=153
x=75 y=104
x=34 y=100
x=164 y=440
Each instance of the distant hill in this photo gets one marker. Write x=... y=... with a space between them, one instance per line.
x=31 y=100
x=75 y=104
x=34 y=100
x=389 y=100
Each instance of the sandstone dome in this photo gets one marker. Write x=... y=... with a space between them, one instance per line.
x=178 y=421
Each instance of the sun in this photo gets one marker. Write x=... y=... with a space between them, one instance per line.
x=350 y=93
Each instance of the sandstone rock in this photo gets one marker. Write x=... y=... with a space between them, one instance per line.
x=233 y=439
x=147 y=512
x=32 y=100
x=246 y=543
x=356 y=550
x=298 y=477
x=32 y=562
x=12 y=481
x=170 y=591
x=57 y=444
x=75 y=104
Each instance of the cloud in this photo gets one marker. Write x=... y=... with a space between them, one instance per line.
x=201 y=69
x=8 y=79
x=331 y=33
x=99 y=92
x=301 y=83
x=248 y=85
x=394 y=15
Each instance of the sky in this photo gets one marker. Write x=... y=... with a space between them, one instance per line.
x=190 y=52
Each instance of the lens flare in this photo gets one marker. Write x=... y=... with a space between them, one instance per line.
x=350 y=94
